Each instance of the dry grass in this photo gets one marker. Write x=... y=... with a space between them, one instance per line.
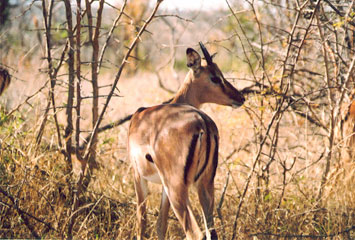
x=36 y=192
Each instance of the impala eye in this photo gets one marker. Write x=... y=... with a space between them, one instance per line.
x=216 y=79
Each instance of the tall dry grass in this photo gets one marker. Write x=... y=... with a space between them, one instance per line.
x=34 y=191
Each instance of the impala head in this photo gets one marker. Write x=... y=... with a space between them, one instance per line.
x=209 y=84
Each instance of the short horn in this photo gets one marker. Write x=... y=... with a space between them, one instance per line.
x=206 y=54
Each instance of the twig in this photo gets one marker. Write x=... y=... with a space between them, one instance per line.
x=173 y=15
x=284 y=173
x=108 y=126
x=240 y=39
x=27 y=99
x=47 y=18
x=331 y=106
x=161 y=85
x=92 y=209
x=114 y=25
x=221 y=200
x=78 y=80
x=68 y=132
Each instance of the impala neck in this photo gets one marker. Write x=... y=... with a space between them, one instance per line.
x=187 y=93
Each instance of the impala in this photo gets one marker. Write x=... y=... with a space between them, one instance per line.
x=176 y=144
x=5 y=79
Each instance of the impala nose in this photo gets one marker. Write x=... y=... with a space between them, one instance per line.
x=236 y=105
x=242 y=99
x=239 y=101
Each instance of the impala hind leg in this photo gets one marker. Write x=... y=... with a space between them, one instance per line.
x=205 y=190
x=180 y=204
x=141 y=194
x=206 y=196
x=162 y=223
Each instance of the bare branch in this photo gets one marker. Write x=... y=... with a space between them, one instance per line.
x=114 y=25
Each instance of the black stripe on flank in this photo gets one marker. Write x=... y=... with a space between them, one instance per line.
x=149 y=157
x=208 y=149
x=190 y=156
x=215 y=159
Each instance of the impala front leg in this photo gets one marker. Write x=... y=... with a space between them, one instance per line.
x=206 y=197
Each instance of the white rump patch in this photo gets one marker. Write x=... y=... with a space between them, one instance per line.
x=137 y=154
x=155 y=178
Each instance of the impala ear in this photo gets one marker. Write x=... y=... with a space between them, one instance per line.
x=193 y=59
